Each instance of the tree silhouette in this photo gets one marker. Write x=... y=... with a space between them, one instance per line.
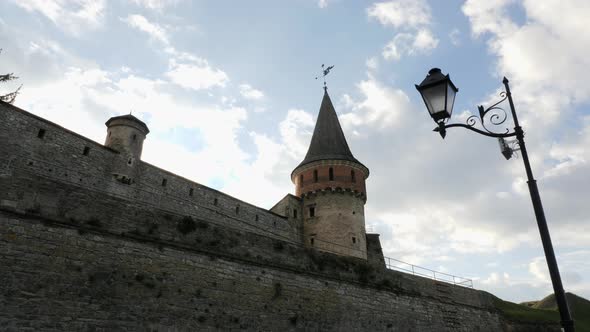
x=9 y=97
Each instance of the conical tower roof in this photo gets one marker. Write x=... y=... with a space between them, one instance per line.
x=328 y=141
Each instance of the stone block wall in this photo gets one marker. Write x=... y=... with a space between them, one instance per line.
x=33 y=148
x=62 y=279
x=85 y=249
x=338 y=223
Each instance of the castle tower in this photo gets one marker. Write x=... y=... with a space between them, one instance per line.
x=126 y=134
x=331 y=184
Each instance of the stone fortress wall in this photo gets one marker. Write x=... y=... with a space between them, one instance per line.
x=36 y=147
x=83 y=248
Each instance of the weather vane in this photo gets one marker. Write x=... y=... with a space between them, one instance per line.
x=325 y=72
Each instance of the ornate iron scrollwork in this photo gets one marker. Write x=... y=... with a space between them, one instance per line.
x=487 y=119
x=495 y=114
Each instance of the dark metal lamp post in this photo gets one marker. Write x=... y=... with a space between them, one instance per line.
x=438 y=93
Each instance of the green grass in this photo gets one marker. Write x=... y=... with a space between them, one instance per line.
x=546 y=311
x=522 y=313
x=579 y=308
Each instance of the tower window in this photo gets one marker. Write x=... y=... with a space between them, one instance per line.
x=352 y=177
x=86 y=151
x=294 y=213
x=109 y=134
x=237 y=209
x=134 y=137
x=164 y=182
x=300 y=179
x=312 y=211
x=256 y=218
x=191 y=191
x=41 y=133
x=331 y=174
x=311 y=241
x=353 y=239
x=315 y=175
x=215 y=201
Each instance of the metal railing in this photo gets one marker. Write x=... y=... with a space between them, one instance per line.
x=396 y=264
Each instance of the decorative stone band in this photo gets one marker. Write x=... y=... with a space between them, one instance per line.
x=337 y=190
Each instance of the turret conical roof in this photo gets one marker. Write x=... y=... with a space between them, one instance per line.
x=328 y=141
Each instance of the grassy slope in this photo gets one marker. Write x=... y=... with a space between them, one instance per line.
x=579 y=307
x=523 y=313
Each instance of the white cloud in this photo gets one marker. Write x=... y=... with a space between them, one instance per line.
x=489 y=16
x=372 y=63
x=155 y=4
x=323 y=3
x=142 y=24
x=248 y=92
x=196 y=74
x=424 y=41
x=73 y=16
x=538 y=268
x=380 y=108
x=454 y=36
x=401 y=13
x=296 y=130
x=420 y=42
x=542 y=56
x=413 y=19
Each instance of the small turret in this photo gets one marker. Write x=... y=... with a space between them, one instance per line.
x=126 y=134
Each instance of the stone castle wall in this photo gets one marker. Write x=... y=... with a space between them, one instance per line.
x=84 y=248
x=63 y=276
x=33 y=147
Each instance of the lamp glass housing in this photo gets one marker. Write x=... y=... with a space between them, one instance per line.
x=438 y=93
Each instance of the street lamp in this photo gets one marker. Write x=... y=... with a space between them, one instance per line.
x=438 y=93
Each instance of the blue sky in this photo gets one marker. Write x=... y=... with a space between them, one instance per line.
x=228 y=91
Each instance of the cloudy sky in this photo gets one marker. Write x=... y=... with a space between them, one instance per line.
x=228 y=91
